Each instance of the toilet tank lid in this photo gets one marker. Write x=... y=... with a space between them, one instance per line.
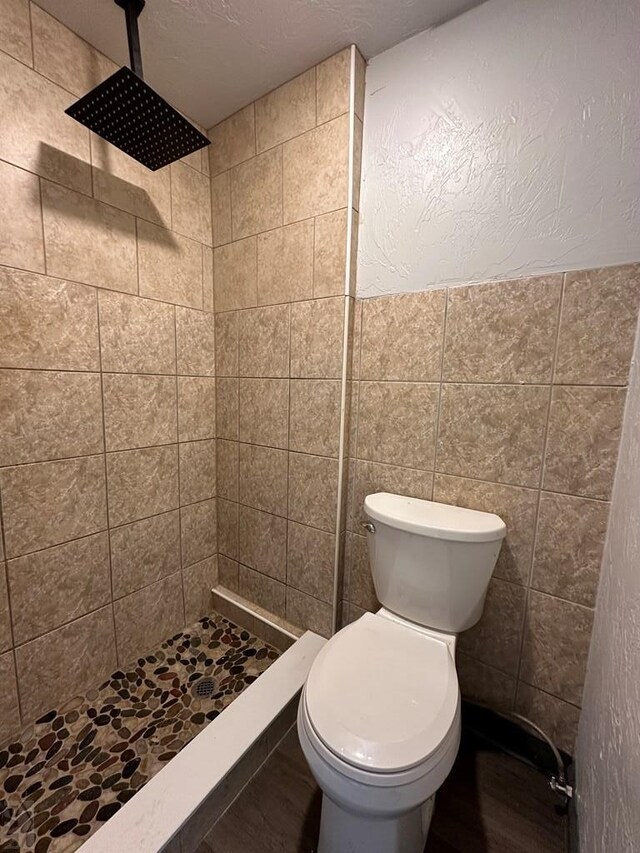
x=439 y=521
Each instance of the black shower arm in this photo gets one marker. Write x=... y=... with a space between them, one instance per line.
x=132 y=9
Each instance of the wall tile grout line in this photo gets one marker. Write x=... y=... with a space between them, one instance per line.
x=106 y=483
x=525 y=614
x=182 y=566
x=441 y=385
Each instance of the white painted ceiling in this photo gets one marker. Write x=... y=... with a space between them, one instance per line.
x=211 y=57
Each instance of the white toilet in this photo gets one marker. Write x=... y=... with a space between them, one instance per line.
x=379 y=716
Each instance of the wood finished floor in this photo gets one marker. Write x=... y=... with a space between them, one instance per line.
x=491 y=803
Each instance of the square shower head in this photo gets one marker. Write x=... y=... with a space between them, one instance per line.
x=126 y=112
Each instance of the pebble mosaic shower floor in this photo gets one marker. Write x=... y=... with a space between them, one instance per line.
x=77 y=765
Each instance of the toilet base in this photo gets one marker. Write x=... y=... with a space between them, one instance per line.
x=342 y=831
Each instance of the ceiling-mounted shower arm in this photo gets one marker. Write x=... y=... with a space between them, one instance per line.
x=132 y=10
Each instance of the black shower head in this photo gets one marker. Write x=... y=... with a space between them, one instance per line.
x=127 y=112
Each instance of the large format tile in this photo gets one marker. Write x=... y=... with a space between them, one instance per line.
x=40 y=137
x=315 y=171
x=262 y=542
x=227 y=344
x=207 y=279
x=256 y=194
x=286 y=112
x=47 y=323
x=314 y=423
x=330 y=254
x=262 y=590
x=313 y=490
x=136 y=335
x=556 y=645
x=496 y=638
x=333 y=79
x=51 y=502
x=235 y=275
x=286 y=263
x=263 y=478
x=195 y=342
x=221 y=209
x=372 y=477
x=198 y=531
x=139 y=410
x=227 y=411
x=88 y=241
x=65 y=662
x=232 y=141
x=196 y=408
x=402 y=337
x=64 y=57
x=190 y=203
x=397 y=423
x=9 y=708
x=144 y=552
x=49 y=415
x=58 y=585
x=142 y=483
x=492 y=432
x=503 y=331
x=146 y=617
x=228 y=528
x=310 y=560
x=6 y=640
x=307 y=612
x=484 y=684
x=228 y=573
x=264 y=411
x=317 y=330
x=263 y=342
x=558 y=719
x=20 y=219
x=15 y=35
x=227 y=466
x=583 y=438
x=197 y=470
x=123 y=182
x=170 y=266
x=515 y=506
x=197 y=582
x=569 y=544
x=598 y=325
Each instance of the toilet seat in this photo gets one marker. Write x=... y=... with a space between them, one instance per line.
x=383 y=697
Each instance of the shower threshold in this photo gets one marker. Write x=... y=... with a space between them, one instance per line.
x=78 y=765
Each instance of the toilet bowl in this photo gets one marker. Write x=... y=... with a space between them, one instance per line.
x=379 y=725
x=379 y=714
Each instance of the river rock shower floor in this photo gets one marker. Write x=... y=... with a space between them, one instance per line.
x=77 y=765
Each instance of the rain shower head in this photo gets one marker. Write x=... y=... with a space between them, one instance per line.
x=126 y=111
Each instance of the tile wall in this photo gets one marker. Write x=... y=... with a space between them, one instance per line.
x=284 y=181
x=506 y=397
x=107 y=389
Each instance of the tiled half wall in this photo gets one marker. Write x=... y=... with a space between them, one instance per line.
x=284 y=178
x=107 y=389
x=506 y=397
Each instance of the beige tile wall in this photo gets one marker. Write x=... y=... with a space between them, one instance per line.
x=280 y=202
x=506 y=397
x=107 y=388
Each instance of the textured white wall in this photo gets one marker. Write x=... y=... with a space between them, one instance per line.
x=608 y=748
x=504 y=143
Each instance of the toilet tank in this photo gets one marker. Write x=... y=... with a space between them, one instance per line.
x=431 y=562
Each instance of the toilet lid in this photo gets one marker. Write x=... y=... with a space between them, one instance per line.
x=381 y=695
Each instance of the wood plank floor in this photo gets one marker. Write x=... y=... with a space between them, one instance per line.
x=491 y=803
